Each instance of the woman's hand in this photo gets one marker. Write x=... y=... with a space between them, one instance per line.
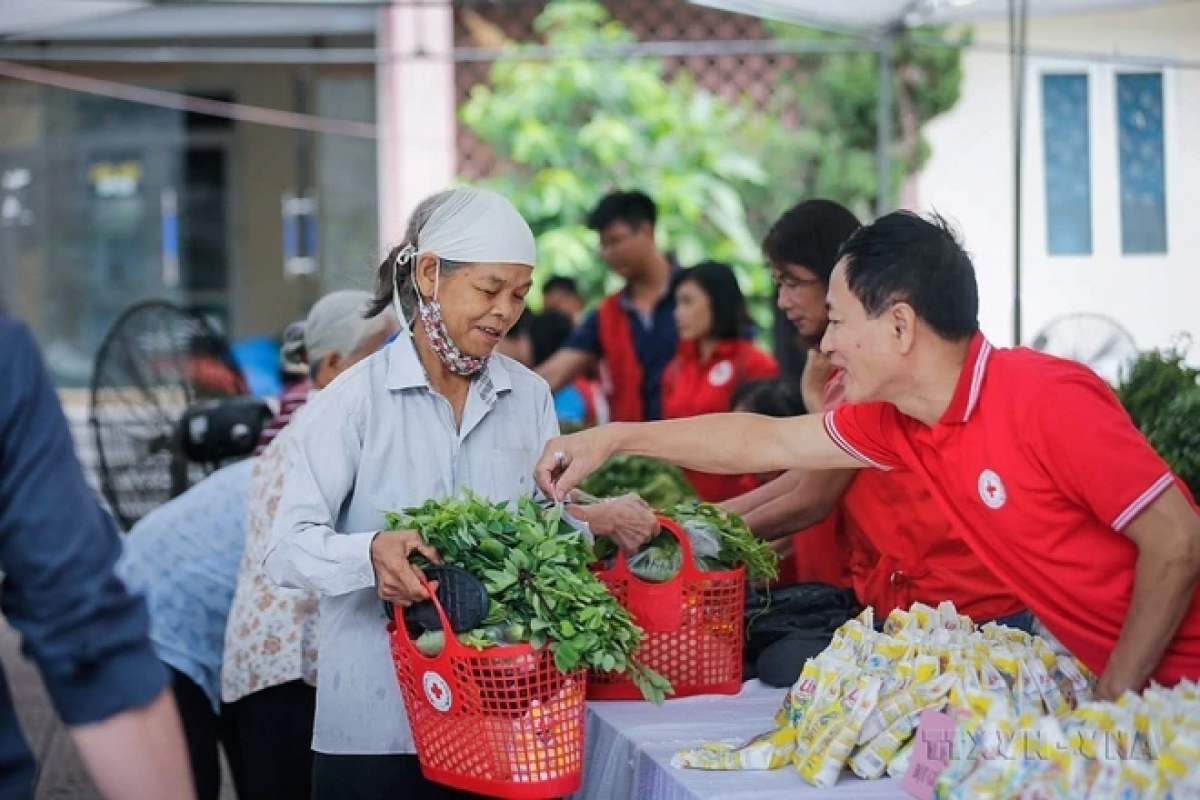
x=627 y=520
x=396 y=578
x=817 y=369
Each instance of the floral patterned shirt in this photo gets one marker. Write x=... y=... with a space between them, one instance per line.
x=271 y=635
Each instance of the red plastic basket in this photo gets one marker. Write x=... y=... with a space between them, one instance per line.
x=502 y=722
x=693 y=626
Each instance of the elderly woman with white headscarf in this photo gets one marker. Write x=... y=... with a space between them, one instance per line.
x=433 y=413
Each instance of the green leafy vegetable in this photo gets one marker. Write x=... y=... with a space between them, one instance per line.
x=720 y=540
x=660 y=484
x=739 y=547
x=535 y=568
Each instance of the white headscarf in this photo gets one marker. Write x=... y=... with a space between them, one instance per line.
x=476 y=226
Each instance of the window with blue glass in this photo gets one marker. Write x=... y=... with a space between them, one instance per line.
x=1141 y=161
x=1067 y=148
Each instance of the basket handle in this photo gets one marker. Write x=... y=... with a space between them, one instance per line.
x=658 y=607
x=450 y=638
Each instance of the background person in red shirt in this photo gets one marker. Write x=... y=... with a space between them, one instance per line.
x=881 y=534
x=1032 y=457
x=817 y=554
x=714 y=358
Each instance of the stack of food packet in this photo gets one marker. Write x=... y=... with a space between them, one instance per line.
x=858 y=703
x=1142 y=746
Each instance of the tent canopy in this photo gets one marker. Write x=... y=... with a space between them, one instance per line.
x=876 y=15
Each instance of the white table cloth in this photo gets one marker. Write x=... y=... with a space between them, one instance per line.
x=629 y=749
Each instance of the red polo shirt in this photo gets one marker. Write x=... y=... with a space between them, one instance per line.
x=1039 y=469
x=692 y=386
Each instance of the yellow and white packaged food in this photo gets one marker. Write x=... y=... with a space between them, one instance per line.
x=766 y=751
x=827 y=757
x=859 y=702
x=898 y=767
x=1143 y=746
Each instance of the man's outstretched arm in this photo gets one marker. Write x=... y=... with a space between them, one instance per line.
x=725 y=444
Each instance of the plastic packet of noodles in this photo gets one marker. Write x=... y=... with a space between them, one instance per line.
x=1137 y=779
x=979 y=740
x=1035 y=668
x=1006 y=661
x=882 y=652
x=871 y=761
x=898 y=767
x=827 y=757
x=1106 y=780
x=1025 y=693
x=897 y=621
x=991 y=678
x=770 y=750
x=850 y=640
x=1189 y=787
x=800 y=696
x=920 y=695
x=1179 y=757
x=1072 y=680
x=830 y=704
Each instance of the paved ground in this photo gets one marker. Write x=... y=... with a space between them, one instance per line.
x=62 y=774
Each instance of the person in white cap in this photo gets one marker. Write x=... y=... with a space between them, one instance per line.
x=269 y=669
x=434 y=413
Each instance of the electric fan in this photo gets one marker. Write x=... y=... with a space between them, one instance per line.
x=168 y=405
x=1098 y=341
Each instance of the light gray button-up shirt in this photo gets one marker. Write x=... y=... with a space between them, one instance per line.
x=379 y=439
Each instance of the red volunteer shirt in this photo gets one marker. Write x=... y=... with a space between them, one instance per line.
x=692 y=386
x=1039 y=468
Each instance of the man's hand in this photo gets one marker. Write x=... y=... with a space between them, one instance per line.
x=567 y=460
x=627 y=520
x=1110 y=688
x=817 y=369
x=397 y=580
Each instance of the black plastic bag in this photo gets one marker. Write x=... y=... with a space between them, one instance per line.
x=789 y=625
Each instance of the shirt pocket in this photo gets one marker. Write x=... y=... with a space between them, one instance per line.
x=507 y=473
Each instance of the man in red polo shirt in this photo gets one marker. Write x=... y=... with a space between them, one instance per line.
x=897 y=544
x=1031 y=457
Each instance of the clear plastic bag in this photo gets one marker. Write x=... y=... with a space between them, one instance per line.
x=662 y=559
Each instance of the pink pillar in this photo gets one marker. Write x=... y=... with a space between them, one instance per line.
x=416 y=109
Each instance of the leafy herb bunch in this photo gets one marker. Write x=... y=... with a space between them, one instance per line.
x=535 y=568
x=739 y=546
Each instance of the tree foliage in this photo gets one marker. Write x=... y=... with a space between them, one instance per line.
x=573 y=128
x=1162 y=395
x=569 y=129
x=822 y=135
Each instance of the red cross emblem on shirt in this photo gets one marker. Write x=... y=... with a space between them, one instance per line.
x=991 y=489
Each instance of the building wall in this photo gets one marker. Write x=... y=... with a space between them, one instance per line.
x=970 y=179
x=47 y=265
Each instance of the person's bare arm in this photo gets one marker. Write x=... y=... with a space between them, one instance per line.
x=138 y=754
x=725 y=444
x=1167 y=535
x=565 y=366
x=812 y=498
x=743 y=504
